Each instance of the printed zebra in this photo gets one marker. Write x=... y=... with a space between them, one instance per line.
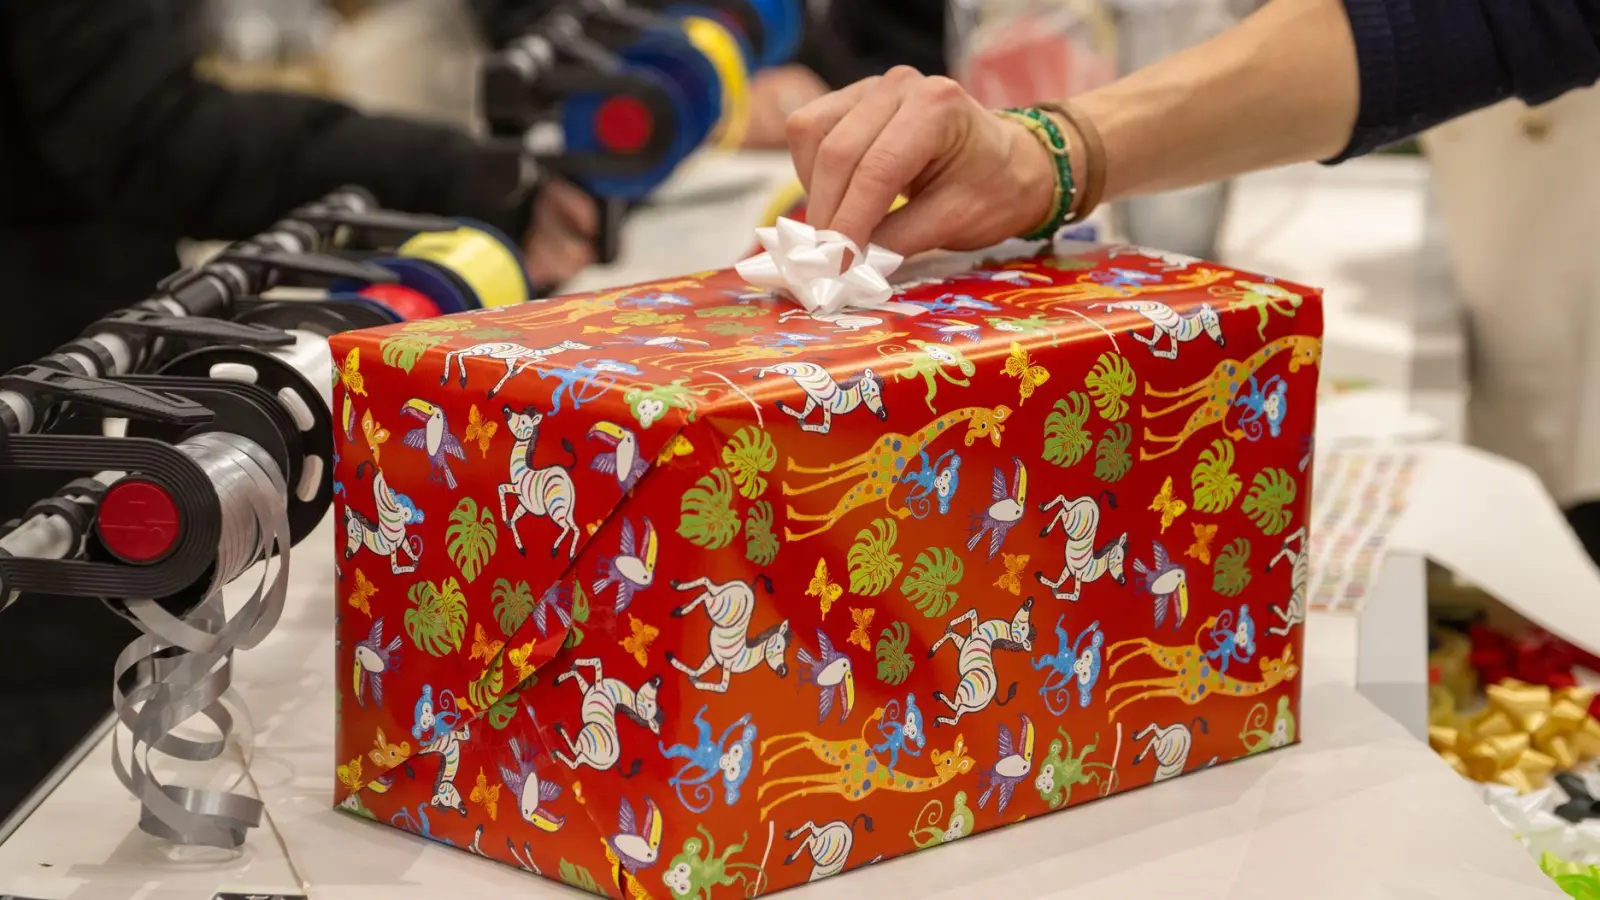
x=387 y=536
x=1177 y=328
x=545 y=492
x=823 y=392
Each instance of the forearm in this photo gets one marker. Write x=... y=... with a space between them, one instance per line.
x=1280 y=88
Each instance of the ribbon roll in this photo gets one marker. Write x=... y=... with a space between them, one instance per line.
x=181 y=668
x=808 y=265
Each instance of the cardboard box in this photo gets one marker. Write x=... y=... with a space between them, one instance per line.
x=674 y=591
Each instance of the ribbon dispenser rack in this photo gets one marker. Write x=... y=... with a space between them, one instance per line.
x=615 y=96
x=224 y=462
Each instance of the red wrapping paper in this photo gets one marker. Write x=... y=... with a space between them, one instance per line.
x=673 y=591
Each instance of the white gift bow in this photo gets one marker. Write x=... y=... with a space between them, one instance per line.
x=805 y=263
x=1532 y=819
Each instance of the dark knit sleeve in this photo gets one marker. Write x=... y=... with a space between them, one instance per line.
x=1424 y=62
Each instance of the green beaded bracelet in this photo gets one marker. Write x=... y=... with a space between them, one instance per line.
x=1044 y=128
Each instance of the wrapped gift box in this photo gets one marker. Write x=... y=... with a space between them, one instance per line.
x=676 y=591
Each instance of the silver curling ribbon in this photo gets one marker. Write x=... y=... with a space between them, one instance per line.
x=181 y=668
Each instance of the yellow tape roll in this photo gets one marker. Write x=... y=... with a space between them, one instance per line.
x=793 y=194
x=719 y=46
x=483 y=261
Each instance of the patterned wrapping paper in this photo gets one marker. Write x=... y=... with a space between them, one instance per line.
x=674 y=591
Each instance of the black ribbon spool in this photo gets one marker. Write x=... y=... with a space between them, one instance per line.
x=324 y=317
x=274 y=375
x=241 y=408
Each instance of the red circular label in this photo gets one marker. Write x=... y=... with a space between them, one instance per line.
x=138 y=521
x=623 y=124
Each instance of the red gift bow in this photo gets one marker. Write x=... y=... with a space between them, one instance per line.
x=1536 y=657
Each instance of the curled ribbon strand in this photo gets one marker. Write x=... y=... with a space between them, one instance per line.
x=808 y=265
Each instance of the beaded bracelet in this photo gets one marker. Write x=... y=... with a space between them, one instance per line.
x=1044 y=128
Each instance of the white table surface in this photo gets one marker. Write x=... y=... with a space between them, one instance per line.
x=1359 y=810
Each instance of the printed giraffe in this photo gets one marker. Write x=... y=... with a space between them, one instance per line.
x=745 y=352
x=578 y=309
x=1192 y=678
x=857 y=770
x=1216 y=392
x=1093 y=291
x=877 y=472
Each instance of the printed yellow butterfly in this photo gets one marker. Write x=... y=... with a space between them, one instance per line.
x=1012 y=579
x=350 y=775
x=480 y=430
x=1168 y=505
x=678 y=446
x=486 y=796
x=518 y=657
x=639 y=642
x=354 y=385
x=363 y=593
x=863 y=620
x=824 y=590
x=577 y=792
x=482 y=647
x=376 y=434
x=1201 y=548
x=1018 y=366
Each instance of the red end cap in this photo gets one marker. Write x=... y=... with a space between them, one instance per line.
x=623 y=124
x=138 y=521
x=406 y=303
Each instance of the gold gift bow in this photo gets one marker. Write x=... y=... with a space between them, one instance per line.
x=1526 y=732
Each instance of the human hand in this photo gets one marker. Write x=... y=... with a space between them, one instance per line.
x=560 y=239
x=972 y=179
x=775 y=94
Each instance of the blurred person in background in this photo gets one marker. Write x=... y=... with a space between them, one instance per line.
x=113 y=151
x=846 y=41
x=1300 y=80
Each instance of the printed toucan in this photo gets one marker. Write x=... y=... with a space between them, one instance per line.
x=637 y=842
x=830 y=672
x=623 y=459
x=373 y=659
x=433 y=438
x=1013 y=767
x=1169 y=583
x=1004 y=512
x=532 y=793
x=634 y=568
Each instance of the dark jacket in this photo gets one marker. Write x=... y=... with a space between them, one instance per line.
x=113 y=150
x=860 y=38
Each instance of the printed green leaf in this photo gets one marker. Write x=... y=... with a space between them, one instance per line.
x=1112 y=461
x=580 y=603
x=1267 y=502
x=646 y=317
x=580 y=613
x=732 y=329
x=872 y=560
x=579 y=877
x=484 y=689
x=1231 y=572
x=749 y=455
x=928 y=585
x=513 y=604
x=761 y=545
x=501 y=713
x=707 y=516
x=442 y=325
x=1065 y=440
x=470 y=539
x=491 y=334
x=1214 y=483
x=1111 y=381
x=403 y=350
x=741 y=311
x=439 y=621
x=894 y=657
